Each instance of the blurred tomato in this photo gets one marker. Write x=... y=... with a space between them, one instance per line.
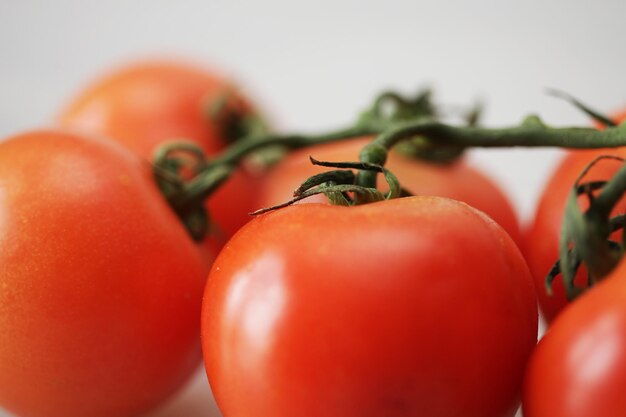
x=100 y=284
x=144 y=105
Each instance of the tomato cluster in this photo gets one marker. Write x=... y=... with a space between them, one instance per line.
x=421 y=305
x=101 y=285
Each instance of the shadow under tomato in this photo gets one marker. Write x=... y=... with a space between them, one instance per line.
x=194 y=400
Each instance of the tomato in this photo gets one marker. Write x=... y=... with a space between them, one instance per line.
x=579 y=367
x=143 y=105
x=420 y=306
x=100 y=284
x=458 y=180
x=541 y=247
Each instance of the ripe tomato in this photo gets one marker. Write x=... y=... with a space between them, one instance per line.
x=143 y=105
x=541 y=247
x=419 y=306
x=579 y=367
x=100 y=284
x=458 y=180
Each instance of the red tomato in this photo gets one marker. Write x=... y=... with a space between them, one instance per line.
x=100 y=284
x=420 y=306
x=579 y=367
x=142 y=106
x=541 y=247
x=458 y=181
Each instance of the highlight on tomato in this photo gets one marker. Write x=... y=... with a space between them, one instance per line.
x=542 y=236
x=148 y=103
x=100 y=283
x=417 y=306
x=456 y=180
x=579 y=367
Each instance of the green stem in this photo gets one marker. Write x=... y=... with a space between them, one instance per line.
x=234 y=154
x=249 y=134
x=532 y=133
x=194 y=193
x=524 y=135
x=597 y=116
x=186 y=196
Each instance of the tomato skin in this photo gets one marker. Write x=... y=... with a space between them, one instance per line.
x=579 y=367
x=458 y=180
x=419 y=306
x=145 y=104
x=100 y=284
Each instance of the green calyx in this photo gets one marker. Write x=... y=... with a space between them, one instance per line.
x=586 y=235
x=340 y=186
x=392 y=108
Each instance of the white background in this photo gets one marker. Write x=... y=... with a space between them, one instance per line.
x=313 y=65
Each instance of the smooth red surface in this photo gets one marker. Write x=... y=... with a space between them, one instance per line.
x=419 y=306
x=100 y=285
x=143 y=105
x=579 y=367
x=458 y=181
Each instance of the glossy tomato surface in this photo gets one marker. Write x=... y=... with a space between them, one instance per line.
x=458 y=180
x=144 y=105
x=419 y=306
x=100 y=285
x=579 y=367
